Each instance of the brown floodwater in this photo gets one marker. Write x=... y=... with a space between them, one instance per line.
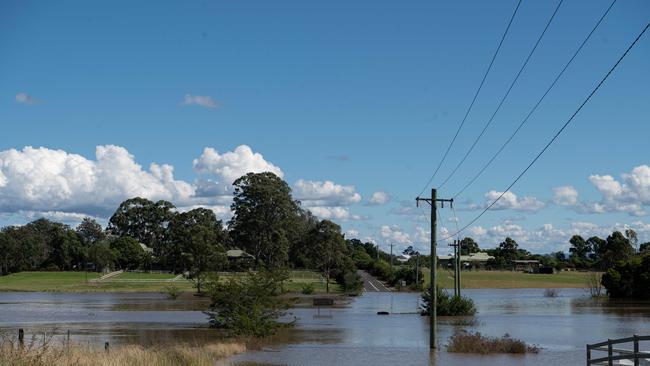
x=353 y=335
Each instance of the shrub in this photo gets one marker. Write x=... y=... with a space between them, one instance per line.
x=447 y=305
x=248 y=305
x=551 y=292
x=629 y=279
x=408 y=275
x=172 y=291
x=352 y=282
x=463 y=342
x=307 y=289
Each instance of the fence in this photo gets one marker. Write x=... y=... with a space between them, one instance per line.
x=617 y=356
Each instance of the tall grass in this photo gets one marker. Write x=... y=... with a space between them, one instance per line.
x=46 y=354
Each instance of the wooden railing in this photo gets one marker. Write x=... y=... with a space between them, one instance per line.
x=639 y=357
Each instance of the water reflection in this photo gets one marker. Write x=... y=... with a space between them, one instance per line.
x=353 y=335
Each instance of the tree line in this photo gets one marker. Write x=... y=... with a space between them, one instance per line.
x=267 y=223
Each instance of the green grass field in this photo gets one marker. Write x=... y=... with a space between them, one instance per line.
x=508 y=279
x=129 y=282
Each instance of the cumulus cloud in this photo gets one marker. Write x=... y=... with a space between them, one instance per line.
x=565 y=196
x=334 y=213
x=379 y=198
x=352 y=233
x=630 y=195
x=510 y=201
x=42 y=179
x=26 y=98
x=327 y=193
x=200 y=100
x=229 y=166
x=394 y=234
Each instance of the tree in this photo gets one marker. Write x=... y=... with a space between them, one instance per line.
x=90 y=231
x=263 y=213
x=101 y=255
x=144 y=221
x=629 y=278
x=598 y=247
x=645 y=247
x=579 y=247
x=247 y=305
x=202 y=253
x=128 y=252
x=468 y=245
x=630 y=234
x=617 y=248
x=410 y=251
x=327 y=249
x=197 y=233
x=508 y=249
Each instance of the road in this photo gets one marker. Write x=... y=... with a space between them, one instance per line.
x=372 y=284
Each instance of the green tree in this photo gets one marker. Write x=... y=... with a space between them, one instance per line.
x=143 y=220
x=630 y=234
x=617 y=248
x=90 y=231
x=101 y=255
x=468 y=245
x=508 y=249
x=203 y=253
x=579 y=247
x=128 y=252
x=248 y=305
x=645 y=247
x=598 y=247
x=263 y=213
x=327 y=249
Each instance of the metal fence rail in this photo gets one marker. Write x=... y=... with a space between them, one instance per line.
x=615 y=354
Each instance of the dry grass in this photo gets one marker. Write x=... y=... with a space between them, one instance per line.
x=463 y=342
x=47 y=354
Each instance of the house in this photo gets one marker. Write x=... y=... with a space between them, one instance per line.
x=471 y=261
x=528 y=266
x=239 y=259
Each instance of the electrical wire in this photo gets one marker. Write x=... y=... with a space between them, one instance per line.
x=530 y=113
x=453 y=140
x=557 y=134
x=505 y=96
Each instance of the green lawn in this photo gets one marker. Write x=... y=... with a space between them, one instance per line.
x=508 y=279
x=127 y=282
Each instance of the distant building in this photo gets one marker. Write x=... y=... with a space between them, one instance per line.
x=473 y=260
x=146 y=249
x=528 y=266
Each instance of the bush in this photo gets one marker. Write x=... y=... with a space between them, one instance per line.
x=382 y=270
x=407 y=274
x=307 y=289
x=172 y=291
x=551 y=292
x=352 y=282
x=447 y=305
x=629 y=279
x=463 y=342
x=248 y=305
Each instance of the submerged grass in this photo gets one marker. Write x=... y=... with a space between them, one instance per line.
x=463 y=342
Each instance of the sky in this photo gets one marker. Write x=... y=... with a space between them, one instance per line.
x=353 y=104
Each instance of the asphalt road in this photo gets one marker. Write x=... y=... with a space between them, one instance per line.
x=372 y=284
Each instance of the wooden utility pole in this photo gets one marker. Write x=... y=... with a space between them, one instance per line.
x=433 y=202
x=456 y=268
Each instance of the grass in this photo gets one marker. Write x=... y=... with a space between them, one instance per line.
x=62 y=355
x=76 y=282
x=509 y=279
x=463 y=342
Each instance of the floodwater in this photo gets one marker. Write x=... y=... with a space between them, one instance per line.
x=354 y=335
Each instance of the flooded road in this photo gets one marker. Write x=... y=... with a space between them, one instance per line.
x=354 y=335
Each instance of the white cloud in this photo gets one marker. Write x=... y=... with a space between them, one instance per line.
x=200 y=100
x=334 y=213
x=394 y=234
x=352 y=233
x=379 y=198
x=229 y=166
x=512 y=202
x=631 y=195
x=327 y=193
x=25 y=98
x=565 y=196
x=41 y=179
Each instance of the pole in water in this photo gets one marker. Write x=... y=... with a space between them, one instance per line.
x=21 y=338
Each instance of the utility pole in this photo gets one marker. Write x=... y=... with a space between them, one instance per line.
x=391 y=257
x=456 y=268
x=433 y=202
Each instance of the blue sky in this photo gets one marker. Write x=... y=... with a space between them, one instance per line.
x=365 y=95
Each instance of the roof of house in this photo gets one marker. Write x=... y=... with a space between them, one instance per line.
x=472 y=257
x=237 y=253
x=146 y=248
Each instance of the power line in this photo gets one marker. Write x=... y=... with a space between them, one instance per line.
x=557 y=134
x=505 y=96
x=530 y=113
x=503 y=37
